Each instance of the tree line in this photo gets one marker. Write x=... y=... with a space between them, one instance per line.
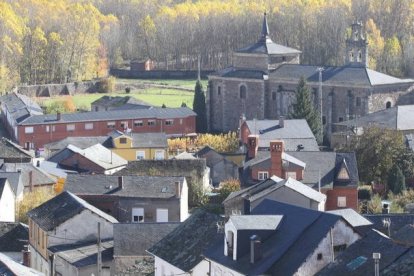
x=43 y=41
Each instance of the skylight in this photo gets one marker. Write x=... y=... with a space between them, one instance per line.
x=357 y=262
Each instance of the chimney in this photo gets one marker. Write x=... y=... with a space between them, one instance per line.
x=277 y=147
x=255 y=250
x=281 y=122
x=26 y=255
x=121 y=182
x=58 y=115
x=31 y=181
x=252 y=146
x=385 y=208
x=177 y=189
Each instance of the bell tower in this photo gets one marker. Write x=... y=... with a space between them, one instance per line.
x=357 y=46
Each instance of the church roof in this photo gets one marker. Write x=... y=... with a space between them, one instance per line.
x=342 y=75
x=232 y=72
x=265 y=45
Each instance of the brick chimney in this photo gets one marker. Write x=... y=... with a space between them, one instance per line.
x=177 y=189
x=281 y=122
x=277 y=148
x=252 y=145
x=121 y=182
x=26 y=255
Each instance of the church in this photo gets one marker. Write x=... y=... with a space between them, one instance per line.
x=262 y=81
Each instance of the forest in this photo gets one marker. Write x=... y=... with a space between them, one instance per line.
x=56 y=41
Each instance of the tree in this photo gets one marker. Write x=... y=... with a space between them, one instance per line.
x=304 y=108
x=31 y=200
x=199 y=107
x=396 y=180
x=227 y=187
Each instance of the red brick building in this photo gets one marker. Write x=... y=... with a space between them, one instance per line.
x=38 y=130
x=334 y=174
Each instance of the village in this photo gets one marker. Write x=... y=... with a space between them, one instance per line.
x=274 y=168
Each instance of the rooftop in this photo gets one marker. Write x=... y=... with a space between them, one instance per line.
x=256 y=222
x=10 y=150
x=10 y=267
x=79 y=142
x=20 y=106
x=117 y=101
x=143 y=140
x=13 y=236
x=39 y=177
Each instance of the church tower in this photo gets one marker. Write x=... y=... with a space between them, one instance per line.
x=357 y=47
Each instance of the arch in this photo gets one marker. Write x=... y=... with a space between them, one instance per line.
x=388 y=104
x=243 y=91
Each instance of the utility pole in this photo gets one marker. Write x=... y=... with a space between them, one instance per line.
x=320 y=70
x=99 y=261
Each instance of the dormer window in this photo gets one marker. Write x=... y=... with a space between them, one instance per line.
x=343 y=173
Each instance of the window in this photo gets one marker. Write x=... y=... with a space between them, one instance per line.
x=169 y=122
x=138 y=123
x=28 y=130
x=181 y=121
x=137 y=215
x=151 y=122
x=47 y=128
x=140 y=154
x=343 y=174
x=53 y=128
x=338 y=249
x=359 y=56
x=324 y=120
x=291 y=175
x=341 y=201
x=243 y=92
x=351 y=56
x=110 y=124
x=274 y=96
x=219 y=90
x=388 y=105
x=358 y=101
x=341 y=119
x=320 y=256
x=88 y=126
x=124 y=125
x=159 y=154
x=70 y=127
x=123 y=140
x=162 y=215
x=263 y=175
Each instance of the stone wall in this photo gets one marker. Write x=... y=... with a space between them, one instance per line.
x=50 y=90
x=159 y=74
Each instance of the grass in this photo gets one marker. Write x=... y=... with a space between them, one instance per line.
x=189 y=84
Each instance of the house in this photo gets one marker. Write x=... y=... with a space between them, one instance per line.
x=131 y=240
x=38 y=130
x=357 y=221
x=31 y=176
x=95 y=159
x=221 y=168
x=278 y=238
x=16 y=183
x=7 y=201
x=14 y=236
x=132 y=198
x=357 y=258
x=15 y=108
x=390 y=224
x=181 y=251
x=288 y=191
x=295 y=133
x=106 y=103
x=195 y=171
x=138 y=146
x=13 y=153
x=10 y=267
x=142 y=65
x=393 y=118
x=80 y=142
x=64 y=219
x=263 y=78
x=334 y=174
x=80 y=258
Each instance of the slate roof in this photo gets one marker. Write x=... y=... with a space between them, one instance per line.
x=13 y=236
x=8 y=267
x=402 y=266
x=20 y=106
x=156 y=113
x=265 y=155
x=346 y=264
x=256 y=222
x=62 y=207
x=143 y=140
x=39 y=177
x=212 y=157
x=294 y=133
x=405 y=235
x=133 y=185
x=398 y=221
x=10 y=150
x=360 y=223
x=14 y=180
x=285 y=249
x=347 y=75
x=84 y=254
x=184 y=246
x=267 y=186
x=232 y=72
x=397 y=118
x=79 y=142
x=118 y=102
x=97 y=154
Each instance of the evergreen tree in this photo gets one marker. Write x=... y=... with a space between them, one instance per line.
x=396 y=180
x=183 y=104
x=304 y=109
x=199 y=107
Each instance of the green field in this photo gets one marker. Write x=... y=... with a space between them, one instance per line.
x=153 y=95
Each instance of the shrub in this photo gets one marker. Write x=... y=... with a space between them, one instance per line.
x=32 y=200
x=127 y=90
x=364 y=193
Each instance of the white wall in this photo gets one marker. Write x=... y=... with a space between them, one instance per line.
x=82 y=227
x=184 y=201
x=7 y=204
x=37 y=262
x=162 y=268
x=67 y=269
x=219 y=270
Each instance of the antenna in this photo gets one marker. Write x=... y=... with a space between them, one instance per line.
x=220 y=226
